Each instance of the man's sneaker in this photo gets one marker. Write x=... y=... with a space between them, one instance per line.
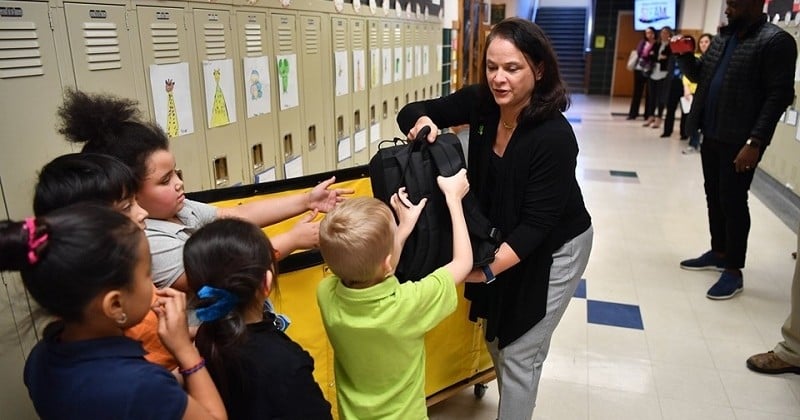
x=707 y=261
x=690 y=150
x=726 y=287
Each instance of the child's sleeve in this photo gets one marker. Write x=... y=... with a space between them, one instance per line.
x=435 y=298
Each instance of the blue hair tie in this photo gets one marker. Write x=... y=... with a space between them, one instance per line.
x=225 y=301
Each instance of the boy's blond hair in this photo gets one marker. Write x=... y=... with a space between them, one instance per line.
x=355 y=239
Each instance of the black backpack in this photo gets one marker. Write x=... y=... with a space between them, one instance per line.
x=415 y=166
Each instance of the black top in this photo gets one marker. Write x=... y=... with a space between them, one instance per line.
x=533 y=198
x=756 y=88
x=270 y=377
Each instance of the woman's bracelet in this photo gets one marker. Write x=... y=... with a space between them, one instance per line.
x=186 y=372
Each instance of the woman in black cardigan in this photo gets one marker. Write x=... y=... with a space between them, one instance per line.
x=521 y=164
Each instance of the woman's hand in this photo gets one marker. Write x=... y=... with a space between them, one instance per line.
x=322 y=199
x=422 y=122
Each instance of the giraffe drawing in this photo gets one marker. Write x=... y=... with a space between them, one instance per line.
x=219 y=110
x=172 y=113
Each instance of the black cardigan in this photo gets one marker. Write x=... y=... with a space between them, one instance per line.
x=536 y=202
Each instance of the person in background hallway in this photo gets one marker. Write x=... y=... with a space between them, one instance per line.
x=744 y=82
x=673 y=90
x=688 y=92
x=657 y=83
x=522 y=159
x=785 y=357
x=640 y=72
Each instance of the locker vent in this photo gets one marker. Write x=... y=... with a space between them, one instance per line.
x=373 y=36
x=102 y=46
x=285 y=39
x=311 y=37
x=19 y=50
x=386 y=37
x=398 y=35
x=166 y=49
x=214 y=34
x=340 y=39
x=358 y=37
x=252 y=40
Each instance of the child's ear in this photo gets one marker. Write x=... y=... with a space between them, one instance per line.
x=112 y=307
x=387 y=266
x=267 y=285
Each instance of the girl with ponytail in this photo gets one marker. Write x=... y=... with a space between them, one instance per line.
x=260 y=372
x=89 y=267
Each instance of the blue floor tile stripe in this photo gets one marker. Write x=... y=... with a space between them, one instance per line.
x=580 y=292
x=614 y=314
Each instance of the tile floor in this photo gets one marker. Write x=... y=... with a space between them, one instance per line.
x=678 y=354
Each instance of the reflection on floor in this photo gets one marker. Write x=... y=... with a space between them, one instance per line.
x=640 y=340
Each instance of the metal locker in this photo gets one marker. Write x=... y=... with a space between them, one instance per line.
x=315 y=86
x=374 y=63
x=29 y=80
x=435 y=59
x=285 y=46
x=260 y=125
x=397 y=93
x=218 y=66
x=409 y=85
x=386 y=111
x=359 y=105
x=101 y=48
x=342 y=96
x=164 y=38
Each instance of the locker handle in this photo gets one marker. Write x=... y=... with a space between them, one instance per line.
x=312 y=137
x=396 y=104
x=416 y=96
x=220 y=170
x=258 y=157
x=340 y=127
x=288 y=150
x=357 y=120
x=385 y=110
x=407 y=97
x=372 y=114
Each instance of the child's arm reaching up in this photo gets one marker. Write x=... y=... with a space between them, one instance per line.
x=407 y=215
x=455 y=188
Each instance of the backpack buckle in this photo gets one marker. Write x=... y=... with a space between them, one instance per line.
x=494 y=233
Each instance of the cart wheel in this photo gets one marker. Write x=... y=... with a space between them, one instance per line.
x=480 y=390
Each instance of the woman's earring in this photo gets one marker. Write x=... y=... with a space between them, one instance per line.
x=123 y=319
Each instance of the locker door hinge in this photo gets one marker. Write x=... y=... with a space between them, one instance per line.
x=50 y=19
x=127 y=24
x=185 y=25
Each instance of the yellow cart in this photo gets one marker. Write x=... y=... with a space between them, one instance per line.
x=456 y=356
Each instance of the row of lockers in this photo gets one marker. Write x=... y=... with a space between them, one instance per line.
x=246 y=92
x=781 y=158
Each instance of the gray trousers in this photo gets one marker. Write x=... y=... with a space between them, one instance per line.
x=519 y=364
x=788 y=350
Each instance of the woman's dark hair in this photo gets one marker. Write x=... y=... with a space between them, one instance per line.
x=549 y=93
x=112 y=126
x=232 y=255
x=87 y=249
x=78 y=177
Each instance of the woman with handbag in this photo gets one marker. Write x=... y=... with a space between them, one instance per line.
x=640 y=73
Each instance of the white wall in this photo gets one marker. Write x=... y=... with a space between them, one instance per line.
x=705 y=15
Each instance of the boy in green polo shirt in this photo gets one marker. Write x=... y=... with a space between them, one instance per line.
x=375 y=324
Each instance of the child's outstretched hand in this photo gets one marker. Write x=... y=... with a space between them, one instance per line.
x=173 y=329
x=407 y=212
x=454 y=187
x=322 y=199
x=305 y=233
